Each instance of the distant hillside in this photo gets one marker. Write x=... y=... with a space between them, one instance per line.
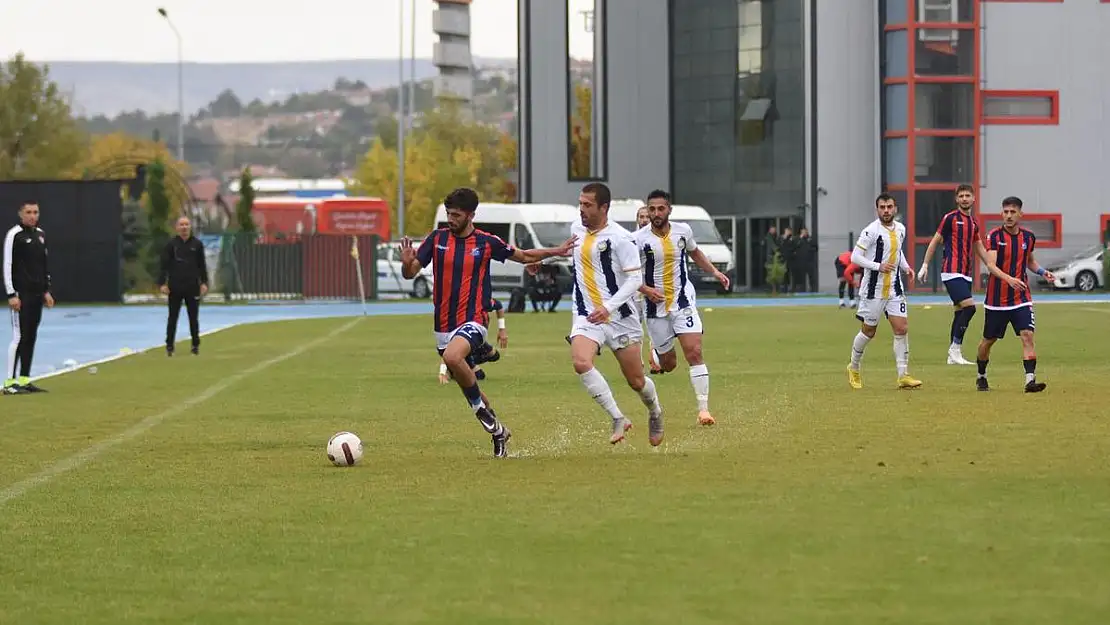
x=105 y=88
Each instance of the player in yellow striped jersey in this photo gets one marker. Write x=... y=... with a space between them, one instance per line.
x=672 y=314
x=607 y=276
x=642 y=219
x=882 y=292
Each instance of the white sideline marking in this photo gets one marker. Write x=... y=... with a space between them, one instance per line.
x=1101 y=310
x=91 y=453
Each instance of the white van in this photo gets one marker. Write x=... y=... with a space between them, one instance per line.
x=705 y=233
x=525 y=226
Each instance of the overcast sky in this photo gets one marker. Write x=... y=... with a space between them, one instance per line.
x=241 y=30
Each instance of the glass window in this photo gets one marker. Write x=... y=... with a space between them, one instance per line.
x=585 y=89
x=896 y=53
x=928 y=208
x=899 y=199
x=895 y=160
x=944 y=11
x=1017 y=106
x=944 y=106
x=944 y=159
x=894 y=11
x=896 y=107
x=944 y=52
x=521 y=237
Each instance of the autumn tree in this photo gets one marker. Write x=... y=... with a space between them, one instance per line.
x=38 y=135
x=581 y=132
x=118 y=155
x=445 y=152
x=246 y=202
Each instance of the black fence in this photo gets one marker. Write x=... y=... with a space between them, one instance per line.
x=81 y=219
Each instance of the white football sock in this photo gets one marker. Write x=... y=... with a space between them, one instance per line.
x=902 y=353
x=649 y=397
x=599 y=389
x=858 y=345
x=699 y=379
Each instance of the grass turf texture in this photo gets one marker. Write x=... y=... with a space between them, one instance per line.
x=807 y=503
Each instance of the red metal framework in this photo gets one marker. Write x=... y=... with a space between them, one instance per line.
x=1104 y=219
x=912 y=27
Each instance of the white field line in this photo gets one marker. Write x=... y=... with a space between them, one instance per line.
x=93 y=452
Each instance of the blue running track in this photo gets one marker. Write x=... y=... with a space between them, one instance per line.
x=94 y=333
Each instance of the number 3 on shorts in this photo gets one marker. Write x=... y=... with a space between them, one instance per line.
x=689 y=322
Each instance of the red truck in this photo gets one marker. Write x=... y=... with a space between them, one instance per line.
x=281 y=218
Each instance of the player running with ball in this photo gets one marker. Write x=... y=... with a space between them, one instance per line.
x=460 y=256
x=607 y=276
x=672 y=312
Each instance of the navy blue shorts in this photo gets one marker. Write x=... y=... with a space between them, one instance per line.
x=994 y=326
x=958 y=289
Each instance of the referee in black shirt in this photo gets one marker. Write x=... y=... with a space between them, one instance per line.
x=184 y=278
x=27 y=284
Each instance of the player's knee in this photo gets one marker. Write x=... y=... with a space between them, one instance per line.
x=693 y=355
x=581 y=363
x=455 y=359
x=868 y=331
x=636 y=380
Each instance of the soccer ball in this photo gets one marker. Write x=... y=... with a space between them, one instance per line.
x=344 y=449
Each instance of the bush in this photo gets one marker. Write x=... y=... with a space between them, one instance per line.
x=776 y=272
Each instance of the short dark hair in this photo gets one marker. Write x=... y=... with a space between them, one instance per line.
x=600 y=191
x=886 y=197
x=1014 y=201
x=965 y=187
x=463 y=198
x=659 y=194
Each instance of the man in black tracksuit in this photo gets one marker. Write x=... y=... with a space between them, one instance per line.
x=184 y=278
x=27 y=285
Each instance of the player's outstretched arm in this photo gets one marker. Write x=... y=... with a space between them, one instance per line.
x=527 y=257
x=923 y=271
x=706 y=265
x=412 y=260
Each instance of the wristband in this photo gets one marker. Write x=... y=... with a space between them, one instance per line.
x=1040 y=271
x=501 y=323
x=442 y=369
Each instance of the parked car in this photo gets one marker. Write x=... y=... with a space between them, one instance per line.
x=390 y=279
x=1084 y=272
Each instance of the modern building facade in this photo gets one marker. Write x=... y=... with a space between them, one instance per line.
x=798 y=112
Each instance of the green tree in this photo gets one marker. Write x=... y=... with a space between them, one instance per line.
x=133 y=239
x=157 y=216
x=445 y=152
x=38 y=136
x=581 y=130
x=246 y=202
x=776 y=272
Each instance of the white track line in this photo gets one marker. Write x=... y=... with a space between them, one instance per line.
x=1101 y=310
x=91 y=453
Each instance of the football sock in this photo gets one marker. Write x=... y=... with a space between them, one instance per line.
x=474 y=398
x=649 y=397
x=858 y=345
x=599 y=389
x=902 y=353
x=961 y=319
x=982 y=364
x=699 y=379
x=1030 y=370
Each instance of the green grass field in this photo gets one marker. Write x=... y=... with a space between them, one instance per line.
x=196 y=490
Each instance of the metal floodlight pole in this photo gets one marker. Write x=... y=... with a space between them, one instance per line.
x=401 y=118
x=180 y=87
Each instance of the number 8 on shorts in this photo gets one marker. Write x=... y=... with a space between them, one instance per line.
x=870 y=311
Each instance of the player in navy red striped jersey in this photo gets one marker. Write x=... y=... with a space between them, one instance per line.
x=460 y=256
x=1008 y=301
x=962 y=238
